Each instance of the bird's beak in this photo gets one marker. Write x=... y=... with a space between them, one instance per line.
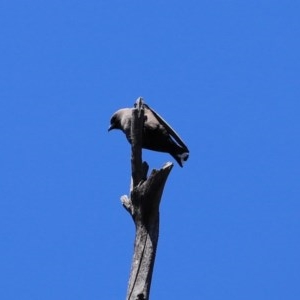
x=111 y=127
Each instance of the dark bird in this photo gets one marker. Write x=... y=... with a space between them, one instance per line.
x=157 y=133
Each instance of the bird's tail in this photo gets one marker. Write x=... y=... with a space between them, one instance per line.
x=181 y=156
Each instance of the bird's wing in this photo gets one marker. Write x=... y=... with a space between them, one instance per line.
x=169 y=129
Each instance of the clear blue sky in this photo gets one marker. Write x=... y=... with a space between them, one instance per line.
x=224 y=74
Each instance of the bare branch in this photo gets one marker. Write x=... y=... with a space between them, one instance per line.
x=143 y=206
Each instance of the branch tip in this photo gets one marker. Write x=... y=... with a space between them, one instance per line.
x=139 y=103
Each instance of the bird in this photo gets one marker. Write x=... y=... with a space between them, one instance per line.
x=158 y=135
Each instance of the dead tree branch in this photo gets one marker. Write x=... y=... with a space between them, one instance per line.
x=143 y=206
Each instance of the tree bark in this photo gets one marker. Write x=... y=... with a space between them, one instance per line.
x=143 y=206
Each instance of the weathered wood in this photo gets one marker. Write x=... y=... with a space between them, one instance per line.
x=136 y=135
x=143 y=206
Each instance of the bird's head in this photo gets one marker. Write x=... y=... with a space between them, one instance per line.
x=115 y=122
x=120 y=119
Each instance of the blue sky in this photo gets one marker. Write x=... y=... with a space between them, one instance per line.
x=224 y=74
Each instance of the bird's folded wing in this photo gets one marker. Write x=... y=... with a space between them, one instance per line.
x=170 y=130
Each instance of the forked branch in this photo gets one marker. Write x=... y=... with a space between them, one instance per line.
x=143 y=206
